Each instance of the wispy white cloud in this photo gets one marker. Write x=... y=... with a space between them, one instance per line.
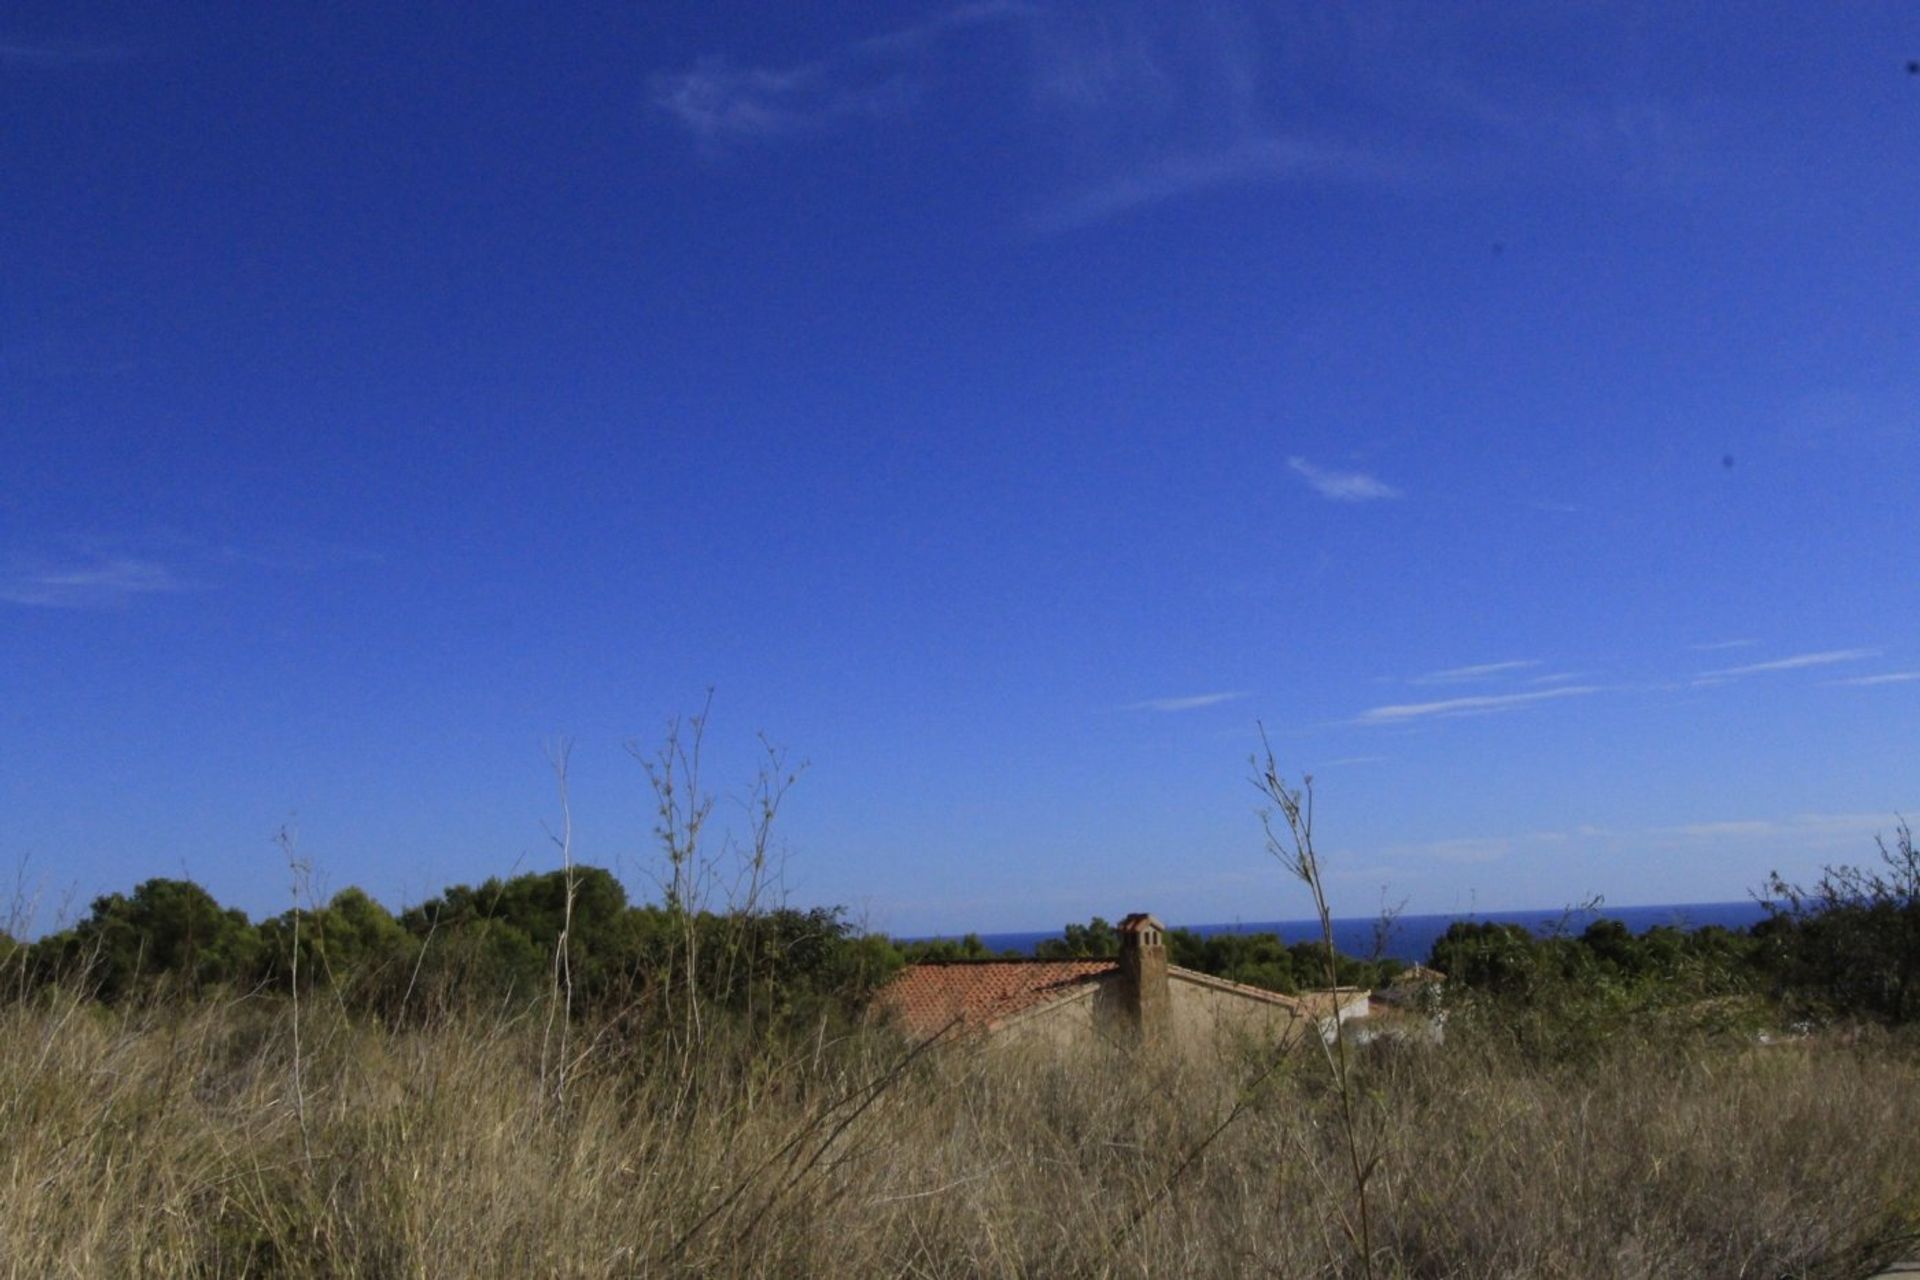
x=1559 y=677
x=1714 y=830
x=872 y=78
x=1890 y=677
x=1482 y=671
x=1476 y=849
x=918 y=35
x=1800 y=832
x=1797 y=662
x=1266 y=157
x=1821 y=828
x=1151 y=102
x=1148 y=103
x=1132 y=104
x=1190 y=702
x=93 y=584
x=719 y=103
x=1343 y=486
x=1717 y=645
x=1486 y=705
x=1466 y=849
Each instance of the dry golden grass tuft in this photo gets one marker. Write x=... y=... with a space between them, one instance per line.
x=171 y=1142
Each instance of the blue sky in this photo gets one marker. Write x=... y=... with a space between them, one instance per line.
x=1003 y=406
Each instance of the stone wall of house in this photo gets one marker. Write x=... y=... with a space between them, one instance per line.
x=1202 y=1020
x=1207 y=1018
x=1072 y=1025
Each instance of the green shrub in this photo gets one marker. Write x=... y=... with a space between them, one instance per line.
x=1849 y=944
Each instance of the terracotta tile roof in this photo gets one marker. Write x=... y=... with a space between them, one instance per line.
x=925 y=998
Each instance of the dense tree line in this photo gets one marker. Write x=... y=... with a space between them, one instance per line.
x=1850 y=942
x=1511 y=962
x=1256 y=959
x=1846 y=946
x=498 y=941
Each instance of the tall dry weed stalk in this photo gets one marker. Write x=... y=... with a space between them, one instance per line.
x=1290 y=841
x=715 y=895
x=560 y=997
x=682 y=806
x=300 y=876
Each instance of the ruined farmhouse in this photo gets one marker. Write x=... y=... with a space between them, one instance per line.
x=1138 y=999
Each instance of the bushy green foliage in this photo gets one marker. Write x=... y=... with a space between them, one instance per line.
x=1266 y=960
x=169 y=931
x=1501 y=959
x=353 y=944
x=496 y=943
x=1849 y=944
x=1845 y=947
x=1094 y=940
x=1509 y=961
x=952 y=950
x=1608 y=960
x=502 y=935
x=1564 y=997
x=1256 y=959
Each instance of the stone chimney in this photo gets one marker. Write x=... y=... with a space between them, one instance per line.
x=1144 y=1001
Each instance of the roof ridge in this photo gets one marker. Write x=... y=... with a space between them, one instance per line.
x=966 y=960
x=1228 y=984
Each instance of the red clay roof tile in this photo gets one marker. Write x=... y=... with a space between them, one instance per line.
x=926 y=998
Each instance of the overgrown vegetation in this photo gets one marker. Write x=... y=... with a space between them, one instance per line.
x=1255 y=958
x=1849 y=944
x=490 y=944
x=536 y=1076
x=166 y=1139
x=1843 y=952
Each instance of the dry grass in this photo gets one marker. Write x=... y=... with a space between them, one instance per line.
x=171 y=1143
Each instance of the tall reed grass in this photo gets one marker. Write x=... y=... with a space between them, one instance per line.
x=170 y=1141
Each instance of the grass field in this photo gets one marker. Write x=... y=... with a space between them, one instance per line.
x=203 y=1139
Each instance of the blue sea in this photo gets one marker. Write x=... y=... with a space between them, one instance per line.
x=1411 y=938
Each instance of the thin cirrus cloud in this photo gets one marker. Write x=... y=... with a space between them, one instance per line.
x=1185 y=91
x=1890 y=677
x=1269 y=157
x=718 y=102
x=1801 y=828
x=1716 y=646
x=1136 y=104
x=1481 y=671
x=1342 y=486
x=1488 y=704
x=95 y=584
x=1189 y=702
x=1798 y=662
x=1478 y=849
x=1802 y=831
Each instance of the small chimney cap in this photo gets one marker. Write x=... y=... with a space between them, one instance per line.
x=1140 y=920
